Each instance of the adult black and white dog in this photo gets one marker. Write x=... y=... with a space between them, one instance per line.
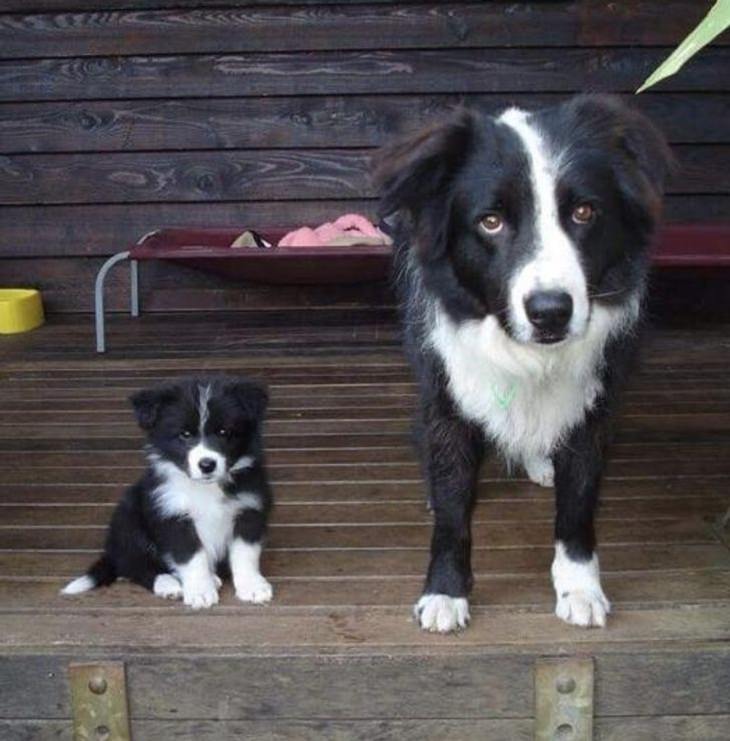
x=521 y=260
x=202 y=505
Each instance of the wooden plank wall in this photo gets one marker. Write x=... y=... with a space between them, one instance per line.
x=121 y=116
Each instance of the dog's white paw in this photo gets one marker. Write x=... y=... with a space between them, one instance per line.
x=167 y=587
x=439 y=613
x=201 y=593
x=218 y=581
x=254 y=589
x=584 y=608
x=540 y=471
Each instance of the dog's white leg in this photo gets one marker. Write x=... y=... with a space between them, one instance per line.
x=539 y=470
x=199 y=585
x=249 y=584
x=580 y=598
x=439 y=613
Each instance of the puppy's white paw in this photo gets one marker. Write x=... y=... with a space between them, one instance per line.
x=167 y=587
x=540 y=471
x=218 y=581
x=254 y=589
x=201 y=593
x=439 y=613
x=584 y=608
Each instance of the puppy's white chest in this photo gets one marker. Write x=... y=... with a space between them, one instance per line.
x=212 y=512
x=525 y=398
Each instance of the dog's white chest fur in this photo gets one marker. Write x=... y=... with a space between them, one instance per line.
x=525 y=397
x=212 y=512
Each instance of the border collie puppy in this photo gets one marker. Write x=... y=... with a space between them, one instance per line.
x=203 y=503
x=521 y=260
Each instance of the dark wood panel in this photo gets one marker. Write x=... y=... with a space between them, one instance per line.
x=317 y=73
x=43 y=231
x=643 y=728
x=349 y=121
x=422 y=25
x=244 y=175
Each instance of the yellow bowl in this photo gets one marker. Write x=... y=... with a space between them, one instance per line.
x=21 y=309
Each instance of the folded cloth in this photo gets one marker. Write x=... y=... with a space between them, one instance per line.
x=347 y=230
x=250 y=238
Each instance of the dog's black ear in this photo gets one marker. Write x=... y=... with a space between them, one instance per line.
x=251 y=397
x=646 y=162
x=415 y=175
x=148 y=403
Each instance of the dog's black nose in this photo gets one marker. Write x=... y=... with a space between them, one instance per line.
x=206 y=465
x=549 y=311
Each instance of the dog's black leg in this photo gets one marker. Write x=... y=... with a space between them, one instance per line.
x=453 y=452
x=244 y=556
x=576 y=577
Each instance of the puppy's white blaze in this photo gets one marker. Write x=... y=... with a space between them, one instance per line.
x=555 y=264
x=580 y=598
x=203 y=399
x=197 y=453
x=442 y=614
x=199 y=585
x=79 y=585
x=245 y=461
x=250 y=585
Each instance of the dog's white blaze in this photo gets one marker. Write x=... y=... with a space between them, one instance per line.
x=580 y=598
x=79 y=585
x=211 y=510
x=555 y=264
x=197 y=453
x=249 y=584
x=548 y=387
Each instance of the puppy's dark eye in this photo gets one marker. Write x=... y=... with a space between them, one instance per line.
x=491 y=223
x=583 y=213
x=186 y=434
x=224 y=432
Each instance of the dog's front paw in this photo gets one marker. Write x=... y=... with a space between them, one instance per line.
x=540 y=471
x=167 y=587
x=201 y=593
x=254 y=589
x=439 y=613
x=586 y=608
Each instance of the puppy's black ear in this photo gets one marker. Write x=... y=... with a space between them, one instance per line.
x=251 y=397
x=148 y=403
x=415 y=174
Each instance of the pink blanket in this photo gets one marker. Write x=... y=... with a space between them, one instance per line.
x=348 y=229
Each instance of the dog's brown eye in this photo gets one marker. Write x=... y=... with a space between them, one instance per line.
x=492 y=223
x=186 y=434
x=582 y=213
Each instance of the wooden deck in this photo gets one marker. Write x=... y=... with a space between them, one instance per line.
x=337 y=655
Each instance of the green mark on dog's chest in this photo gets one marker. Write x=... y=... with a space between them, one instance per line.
x=504 y=399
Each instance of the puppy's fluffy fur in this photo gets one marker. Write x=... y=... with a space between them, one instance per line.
x=200 y=509
x=521 y=255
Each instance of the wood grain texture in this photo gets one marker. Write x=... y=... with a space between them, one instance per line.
x=331 y=73
x=245 y=175
x=395 y=26
x=315 y=121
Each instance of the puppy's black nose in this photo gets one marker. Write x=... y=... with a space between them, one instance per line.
x=206 y=465
x=549 y=311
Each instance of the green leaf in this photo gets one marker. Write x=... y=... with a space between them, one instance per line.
x=713 y=24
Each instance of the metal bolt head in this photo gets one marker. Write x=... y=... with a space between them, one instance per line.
x=563 y=732
x=102 y=733
x=97 y=685
x=565 y=685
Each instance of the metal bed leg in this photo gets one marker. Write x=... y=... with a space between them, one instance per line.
x=99 y=297
x=134 y=286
